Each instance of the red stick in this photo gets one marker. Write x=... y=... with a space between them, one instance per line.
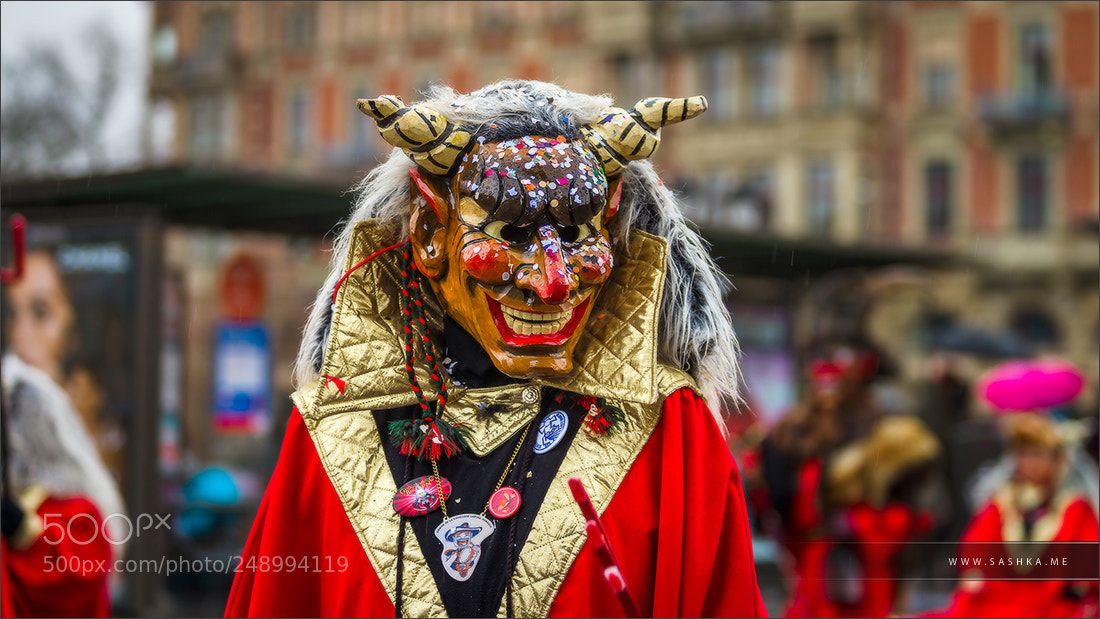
x=18 y=249
x=612 y=573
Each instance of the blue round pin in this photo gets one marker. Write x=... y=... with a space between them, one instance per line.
x=551 y=431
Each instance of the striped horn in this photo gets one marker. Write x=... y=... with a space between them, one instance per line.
x=621 y=137
x=429 y=139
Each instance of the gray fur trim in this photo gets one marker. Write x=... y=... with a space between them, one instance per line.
x=695 y=329
x=51 y=447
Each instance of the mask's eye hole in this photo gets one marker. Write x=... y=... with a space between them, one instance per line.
x=572 y=234
x=507 y=232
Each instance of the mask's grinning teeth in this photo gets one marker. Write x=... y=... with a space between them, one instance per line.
x=532 y=323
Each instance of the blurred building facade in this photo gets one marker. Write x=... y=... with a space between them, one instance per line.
x=989 y=146
x=841 y=137
x=963 y=127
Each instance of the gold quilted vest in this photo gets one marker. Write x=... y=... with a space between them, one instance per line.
x=615 y=359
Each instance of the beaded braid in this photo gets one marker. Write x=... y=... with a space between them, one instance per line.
x=413 y=306
x=428 y=434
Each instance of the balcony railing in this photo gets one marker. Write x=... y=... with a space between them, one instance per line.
x=1025 y=111
x=199 y=71
x=706 y=23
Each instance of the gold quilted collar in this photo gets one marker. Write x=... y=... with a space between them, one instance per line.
x=364 y=370
x=616 y=357
x=349 y=446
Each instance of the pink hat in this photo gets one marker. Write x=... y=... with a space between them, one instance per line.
x=1030 y=385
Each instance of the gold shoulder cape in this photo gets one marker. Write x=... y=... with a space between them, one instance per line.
x=615 y=359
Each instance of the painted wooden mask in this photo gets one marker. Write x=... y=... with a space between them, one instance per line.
x=511 y=231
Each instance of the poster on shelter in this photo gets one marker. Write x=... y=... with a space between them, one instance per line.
x=242 y=377
x=73 y=315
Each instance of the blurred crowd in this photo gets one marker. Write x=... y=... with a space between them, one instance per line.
x=865 y=501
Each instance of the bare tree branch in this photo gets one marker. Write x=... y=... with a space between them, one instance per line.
x=50 y=121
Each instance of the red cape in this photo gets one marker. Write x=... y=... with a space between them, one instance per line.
x=677 y=523
x=1025 y=598
x=879 y=536
x=64 y=572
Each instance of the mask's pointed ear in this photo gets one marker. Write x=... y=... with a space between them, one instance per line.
x=615 y=190
x=429 y=211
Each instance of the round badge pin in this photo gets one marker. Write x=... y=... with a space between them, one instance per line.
x=551 y=431
x=504 y=502
x=419 y=496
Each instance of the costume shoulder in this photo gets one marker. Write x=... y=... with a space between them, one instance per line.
x=1081 y=520
x=985 y=525
x=680 y=509
x=302 y=520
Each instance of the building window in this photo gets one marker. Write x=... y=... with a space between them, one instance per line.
x=764 y=80
x=938 y=191
x=215 y=33
x=751 y=203
x=206 y=129
x=362 y=129
x=297 y=122
x=1035 y=58
x=165 y=45
x=825 y=71
x=630 y=78
x=162 y=131
x=696 y=17
x=1031 y=178
x=820 y=196
x=300 y=27
x=719 y=79
x=939 y=85
x=692 y=195
x=496 y=18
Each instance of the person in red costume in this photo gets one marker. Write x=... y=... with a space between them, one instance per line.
x=843 y=487
x=516 y=301
x=57 y=551
x=1036 y=512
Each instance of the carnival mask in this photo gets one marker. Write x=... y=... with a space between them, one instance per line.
x=513 y=234
x=522 y=250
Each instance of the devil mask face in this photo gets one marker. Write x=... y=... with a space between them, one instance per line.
x=519 y=248
x=511 y=233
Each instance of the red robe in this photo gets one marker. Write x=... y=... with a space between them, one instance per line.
x=677 y=523
x=1024 y=598
x=878 y=535
x=66 y=579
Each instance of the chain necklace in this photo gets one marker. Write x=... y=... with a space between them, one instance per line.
x=500 y=482
x=462 y=535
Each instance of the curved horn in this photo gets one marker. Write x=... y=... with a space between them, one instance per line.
x=621 y=136
x=426 y=136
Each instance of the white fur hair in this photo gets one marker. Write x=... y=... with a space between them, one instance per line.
x=51 y=447
x=695 y=329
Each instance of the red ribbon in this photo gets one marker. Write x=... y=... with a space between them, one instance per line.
x=340 y=384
